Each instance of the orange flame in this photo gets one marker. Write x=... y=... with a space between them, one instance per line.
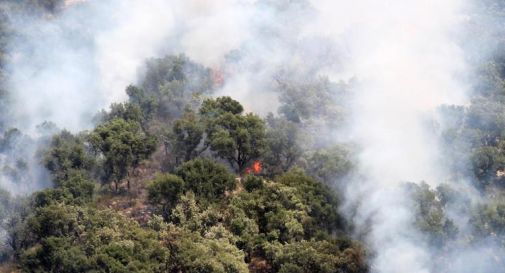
x=256 y=168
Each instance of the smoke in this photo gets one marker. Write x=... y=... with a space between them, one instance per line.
x=87 y=54
x=68 y=66
x=404 y=55
x=409 y=58
x=407 y=61
x=64 y=67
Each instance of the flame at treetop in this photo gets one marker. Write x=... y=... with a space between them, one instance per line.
x=256 y=168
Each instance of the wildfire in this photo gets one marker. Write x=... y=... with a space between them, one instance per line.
x=256 y=168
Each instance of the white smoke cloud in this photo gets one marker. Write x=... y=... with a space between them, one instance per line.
x=406 y=59
x=134 y=31
x=404 y=54
x=92 y=50
x=67 y=67
x=86 y=56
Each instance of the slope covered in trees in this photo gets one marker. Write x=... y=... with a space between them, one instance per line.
x=151 y=190
x=180 y=179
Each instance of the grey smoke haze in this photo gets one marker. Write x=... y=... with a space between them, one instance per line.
x=90 y=52
x=405 y=55
x=66 y=68
x=408 y=63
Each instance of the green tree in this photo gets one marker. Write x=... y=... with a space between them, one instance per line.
x=65 y=238
x=164 y=191
x=206 y=178
x=330 y=164
x=187 y=135
x=237 y=138
x=252 y=183
x=430 y=214
x=291 y=208
x=127 y=111
x=76 y=188
x=175 y=82
x=321 y=200
x=489 y=220
x=124 y=145
x=65 y=153
x=57 y=254
x=193 y=253
x=147 y=104
x=282 y=149
x=307 y=99
x=212 y=108
x=317 y=257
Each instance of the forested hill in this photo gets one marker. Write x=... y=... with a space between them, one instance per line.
x=180 y=178
x=176 y=181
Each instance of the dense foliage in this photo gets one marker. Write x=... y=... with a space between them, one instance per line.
x=176 y=179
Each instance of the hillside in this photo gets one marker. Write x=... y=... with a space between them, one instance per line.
x=302 y=136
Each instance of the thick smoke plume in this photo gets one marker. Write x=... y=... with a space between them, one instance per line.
x=407 y=63
x=403 y=57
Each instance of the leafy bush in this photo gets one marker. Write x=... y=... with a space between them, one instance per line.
x=206 y=178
